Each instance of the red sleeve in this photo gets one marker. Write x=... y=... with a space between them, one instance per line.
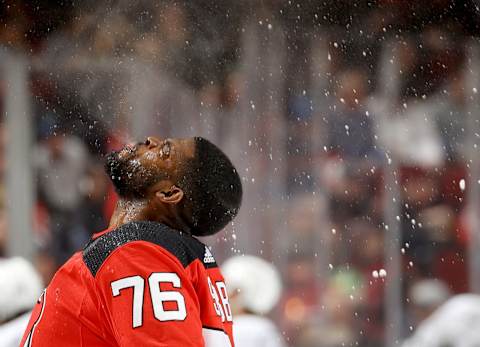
x=148 y=298
x=216 y=313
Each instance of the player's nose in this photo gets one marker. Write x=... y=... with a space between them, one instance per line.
x=152 y=142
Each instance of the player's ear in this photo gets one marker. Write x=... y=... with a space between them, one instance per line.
x=170 y=196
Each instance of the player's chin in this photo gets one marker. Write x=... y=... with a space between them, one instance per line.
x=123 y=155
x=114 y=164
x=112 y=157
x=115 y=168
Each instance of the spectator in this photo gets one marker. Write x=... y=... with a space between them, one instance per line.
x=335 y=324
x=350 y=126
x=93 y=188
x=61 y=161
x=451 y=120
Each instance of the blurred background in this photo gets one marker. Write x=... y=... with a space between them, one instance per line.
x=354 y=126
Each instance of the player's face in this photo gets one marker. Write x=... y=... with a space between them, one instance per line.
x=137 y=167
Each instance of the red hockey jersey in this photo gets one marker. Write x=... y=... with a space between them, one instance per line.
x=142 y=284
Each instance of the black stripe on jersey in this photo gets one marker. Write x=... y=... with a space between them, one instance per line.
x=183 y=246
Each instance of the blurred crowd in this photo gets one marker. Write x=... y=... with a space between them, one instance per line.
x=342 y=129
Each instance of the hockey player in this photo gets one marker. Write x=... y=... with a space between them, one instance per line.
x=146 y=280
x=254 y=287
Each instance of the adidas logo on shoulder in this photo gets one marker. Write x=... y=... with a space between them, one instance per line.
x=208 y=257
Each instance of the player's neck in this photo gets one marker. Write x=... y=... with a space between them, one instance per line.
x=128 y=211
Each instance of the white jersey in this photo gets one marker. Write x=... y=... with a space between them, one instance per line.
x=454 y=324
x=11 y=332
x=255 y=331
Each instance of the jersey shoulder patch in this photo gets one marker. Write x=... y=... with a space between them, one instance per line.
x=183 y=246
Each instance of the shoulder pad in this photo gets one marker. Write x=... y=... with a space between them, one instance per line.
x=183 y=246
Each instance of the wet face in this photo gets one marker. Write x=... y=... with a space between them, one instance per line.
x=139 y=169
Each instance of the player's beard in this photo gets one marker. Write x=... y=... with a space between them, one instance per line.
x=130 y=178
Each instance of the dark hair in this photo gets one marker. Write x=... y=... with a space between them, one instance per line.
x=212 y=188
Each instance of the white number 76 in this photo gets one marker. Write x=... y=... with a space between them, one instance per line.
x=158 y=296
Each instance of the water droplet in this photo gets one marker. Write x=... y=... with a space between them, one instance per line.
x=462 y=184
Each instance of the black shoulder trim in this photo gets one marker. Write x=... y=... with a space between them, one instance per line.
x=183 y=246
